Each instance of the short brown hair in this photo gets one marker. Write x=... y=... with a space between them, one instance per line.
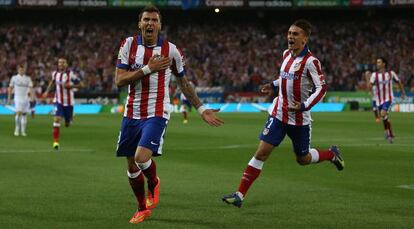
x=305 y=25
x=149 y=8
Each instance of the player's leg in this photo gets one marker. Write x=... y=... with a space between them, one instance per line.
x=271 y=136
x=23 y=119
x=376 y=111
x=389 y=135
x=126 y=146
x=183 y=110
x=150 y=144
x=68 y=115
x=137 y=183
x=23 y=123
x=17 y=123
x=58 y=113
x=301 y=137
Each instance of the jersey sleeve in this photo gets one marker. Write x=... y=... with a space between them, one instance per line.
x=123 y=54
x=318 y=79
x=395 y=77
x=30 y=82
x=178 y=62
x=372 y=79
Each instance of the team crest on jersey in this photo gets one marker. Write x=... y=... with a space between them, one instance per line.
x=265 y=131
x=296 y=67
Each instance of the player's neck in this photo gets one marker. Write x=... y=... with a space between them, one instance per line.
x=150 y=42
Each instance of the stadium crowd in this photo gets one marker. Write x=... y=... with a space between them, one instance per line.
x=238 y=57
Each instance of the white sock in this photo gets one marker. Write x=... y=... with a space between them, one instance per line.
x=315 y=155
x=145 y=165
x=17 y=122
x=23 y=122
x=256 y=163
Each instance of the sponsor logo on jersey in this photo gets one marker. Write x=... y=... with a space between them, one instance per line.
x=136 y=66
x=288 y=76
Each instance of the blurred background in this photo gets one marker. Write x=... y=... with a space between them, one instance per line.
x=231 y=47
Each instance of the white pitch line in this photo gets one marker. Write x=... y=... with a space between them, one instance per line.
x=406 y=186
x=45 y=150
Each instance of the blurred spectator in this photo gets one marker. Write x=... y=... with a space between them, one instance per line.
x=237 y=57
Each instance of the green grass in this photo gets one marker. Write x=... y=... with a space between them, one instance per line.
x=85 y=186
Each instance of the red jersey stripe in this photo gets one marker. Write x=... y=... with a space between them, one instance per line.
x=159 y=104
x=145 y=86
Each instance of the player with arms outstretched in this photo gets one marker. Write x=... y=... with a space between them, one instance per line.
x=64 y=81
x=22 y=86
x=289 y=114
x=145 y=63
x=382 y=81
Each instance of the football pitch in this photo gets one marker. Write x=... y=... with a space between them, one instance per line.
x=83 y=185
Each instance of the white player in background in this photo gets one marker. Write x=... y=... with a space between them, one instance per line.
x=22 y=86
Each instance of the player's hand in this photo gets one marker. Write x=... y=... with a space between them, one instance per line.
x=8 y=102
x=157 y=63
x=266 y=89
x=210 y=117
x=296 y=106
x=68 y=86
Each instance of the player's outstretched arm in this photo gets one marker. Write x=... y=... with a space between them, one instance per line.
x=208 y=115
x=46 y=93
x=156 y=63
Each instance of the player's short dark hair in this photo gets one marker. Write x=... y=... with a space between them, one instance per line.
x=305 y=25
x=385 y=61
x=149 y=8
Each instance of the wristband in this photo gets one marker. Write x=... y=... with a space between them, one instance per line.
x=201 y=109
x=146 y=70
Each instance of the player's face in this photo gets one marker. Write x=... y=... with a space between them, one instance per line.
x=380 y=64
x=296 y=38
x=21 y=70
x=150 y=25
x=62 y=64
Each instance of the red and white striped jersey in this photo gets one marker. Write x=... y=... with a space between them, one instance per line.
x=64 y=95
x=149 y=97
x=383 y=83
x=301 y=79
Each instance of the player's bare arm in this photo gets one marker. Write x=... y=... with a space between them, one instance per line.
x=155 y=64
x=9 y=92
x=207 y=114
x=49 y=87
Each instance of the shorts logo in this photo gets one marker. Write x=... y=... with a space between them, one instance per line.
x=153 y=143
x=265 y=131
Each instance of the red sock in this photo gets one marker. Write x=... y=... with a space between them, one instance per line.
x=151 y=174
x=389 y=128
x=56 y=132
x=138 y=186
x=249 y=175
x=325 y=155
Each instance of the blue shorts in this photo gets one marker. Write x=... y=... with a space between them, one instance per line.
x=148 y=133
x=385 y=106
x=275 y=131
x=64 y=111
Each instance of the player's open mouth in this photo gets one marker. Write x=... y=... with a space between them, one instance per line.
x=291 y=42
x=149 y=31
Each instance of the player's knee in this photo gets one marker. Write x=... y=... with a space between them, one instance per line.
x=302 y=160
